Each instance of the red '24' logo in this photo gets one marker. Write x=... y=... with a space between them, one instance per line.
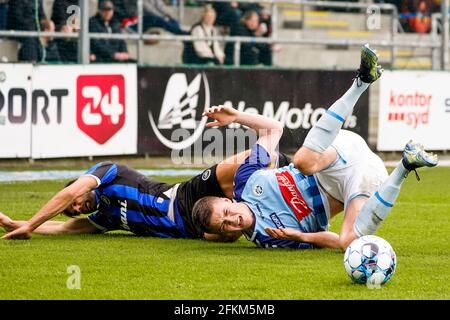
x=100 y=105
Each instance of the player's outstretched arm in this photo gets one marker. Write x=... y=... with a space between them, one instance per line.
x=9 y=224
x=269 y=130
x=323 y=239
x=71 y=226
x=56 y=205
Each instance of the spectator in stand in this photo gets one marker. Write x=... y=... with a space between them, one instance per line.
x=228 y=14
x=107 y=50
x=125 y=12
x=67 y=47
x=420 y=22
x=48 y=48
x=265 y=21
x=23 y=16
x=415 y=15
x=253 y=53
x=59 y=12
x=204 y=52
x=43 y=48
x=156 y=15
x=244 y=7
x=3 y=14
x=67 y=23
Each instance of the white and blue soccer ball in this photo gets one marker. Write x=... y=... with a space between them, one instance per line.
x=370 y=260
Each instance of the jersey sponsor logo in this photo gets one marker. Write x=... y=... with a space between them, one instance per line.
x=179 y=109
x=101 y=105
x=104 y=199
x=123 y=214
x=206 y=175
x=258 y=190
x=292 y=195
x=276 y=220
x=260 y=213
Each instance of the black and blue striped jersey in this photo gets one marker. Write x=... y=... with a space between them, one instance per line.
x=128 y=200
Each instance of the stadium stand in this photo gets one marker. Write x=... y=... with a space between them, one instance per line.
x=294 y=22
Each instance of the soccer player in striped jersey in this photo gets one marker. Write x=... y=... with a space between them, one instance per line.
x=117 y=197
x=333 y=171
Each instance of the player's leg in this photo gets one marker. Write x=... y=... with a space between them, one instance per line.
x=364 y=216
x=316 y=154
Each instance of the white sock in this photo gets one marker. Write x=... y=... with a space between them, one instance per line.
x=322 y=135
x=379 y=204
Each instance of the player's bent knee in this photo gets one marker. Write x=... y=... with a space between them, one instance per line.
x=305 y=163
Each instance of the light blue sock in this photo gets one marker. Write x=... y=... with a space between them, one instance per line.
x=322 y=135
x=379 y=204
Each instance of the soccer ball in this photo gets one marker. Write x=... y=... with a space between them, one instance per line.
x=370 y=260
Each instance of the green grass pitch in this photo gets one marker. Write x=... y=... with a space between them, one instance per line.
x=122 y=266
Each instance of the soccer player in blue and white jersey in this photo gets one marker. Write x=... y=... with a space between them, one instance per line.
x=333 y=171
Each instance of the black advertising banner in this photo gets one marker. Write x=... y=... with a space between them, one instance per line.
x=171 y=101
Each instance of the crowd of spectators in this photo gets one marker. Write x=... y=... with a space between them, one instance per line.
x=234 y=20
x=117 y=16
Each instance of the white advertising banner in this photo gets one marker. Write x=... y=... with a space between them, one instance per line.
x=15 y=110
x=84 y=110
x=414 y=105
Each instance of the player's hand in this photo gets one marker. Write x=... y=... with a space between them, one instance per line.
x=22 y=233
x=6 y=222
x=223 y=115
x=284 y=233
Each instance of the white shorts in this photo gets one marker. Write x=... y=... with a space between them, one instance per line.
x=357 y=171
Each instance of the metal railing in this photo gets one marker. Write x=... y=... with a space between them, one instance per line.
x=393 y=43
x=438 y=35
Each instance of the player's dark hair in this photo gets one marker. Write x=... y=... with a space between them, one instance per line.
x=67 y=212
x=202 y=212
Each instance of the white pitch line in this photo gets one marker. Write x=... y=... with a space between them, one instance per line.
x=10 y=176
